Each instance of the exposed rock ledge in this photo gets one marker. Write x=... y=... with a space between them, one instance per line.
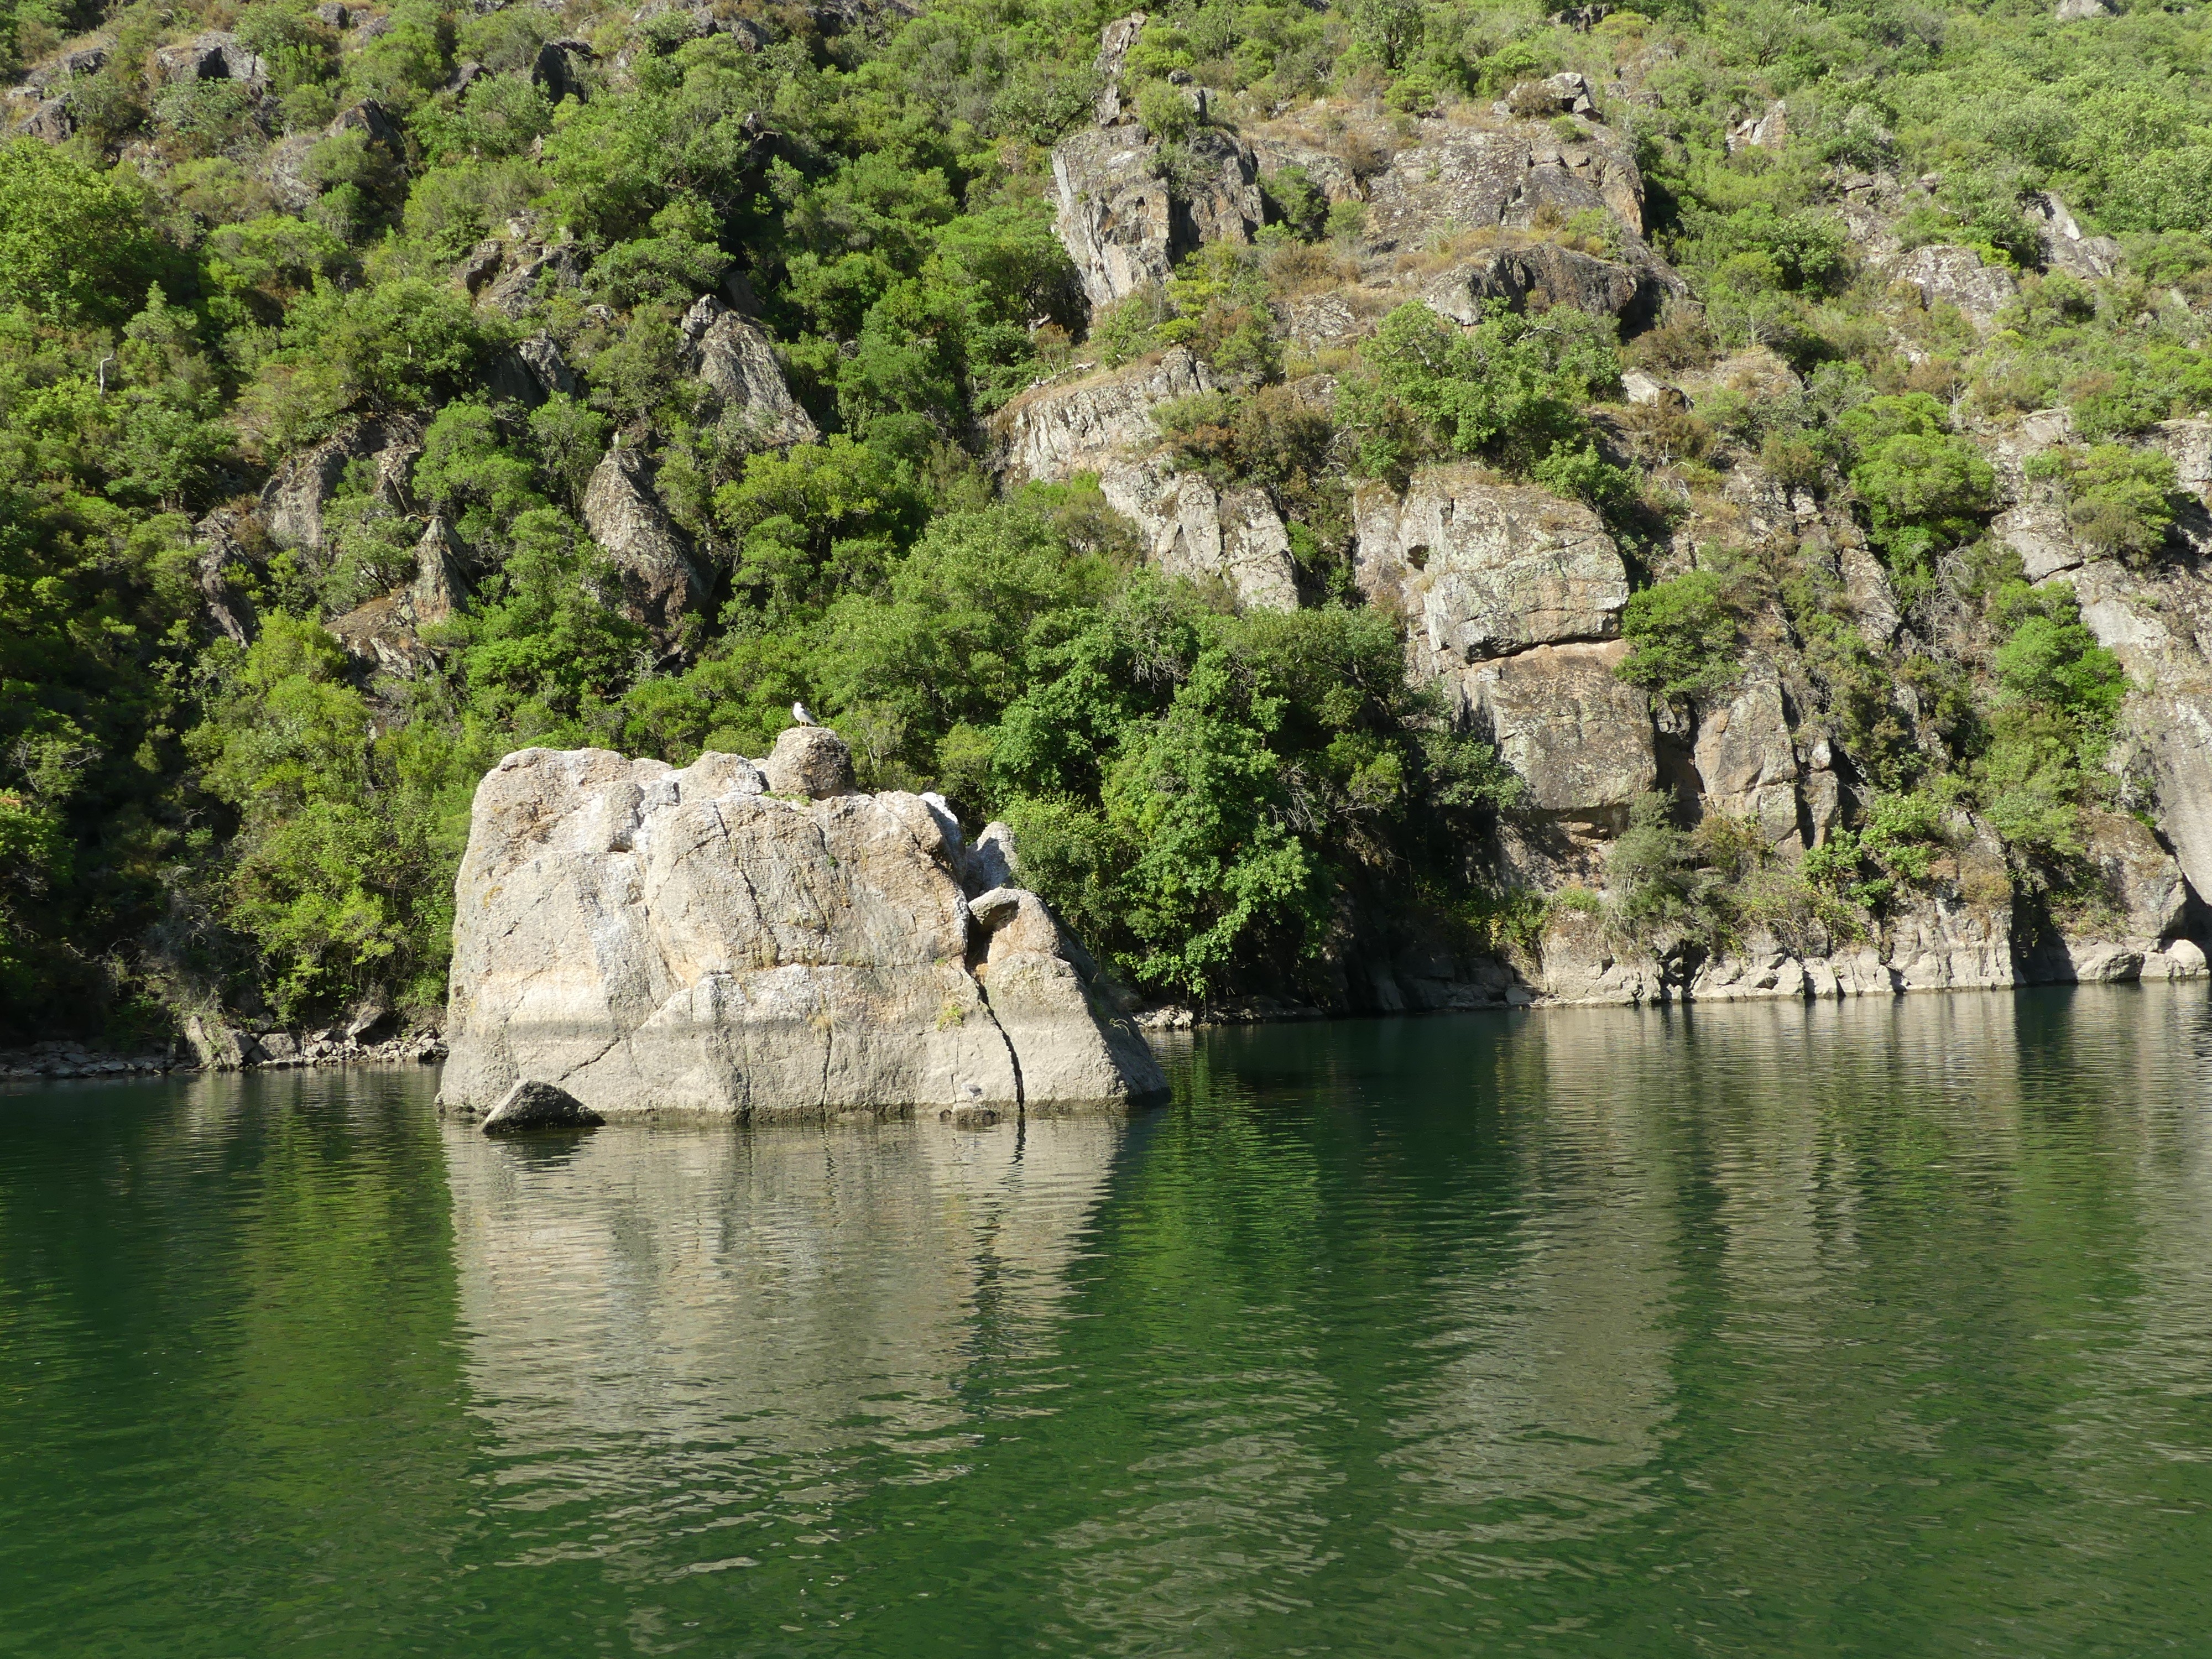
x=761 y=942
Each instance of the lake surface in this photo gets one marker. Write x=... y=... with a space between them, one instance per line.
x=1879 y=1328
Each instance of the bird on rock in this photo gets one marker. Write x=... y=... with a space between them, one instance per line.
x=799 y=714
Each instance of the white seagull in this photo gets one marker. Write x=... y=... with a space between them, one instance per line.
x=799 y=713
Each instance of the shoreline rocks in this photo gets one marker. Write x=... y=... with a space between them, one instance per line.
x=759 y=942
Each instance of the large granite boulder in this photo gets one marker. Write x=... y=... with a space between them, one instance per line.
x=1050 y=435
x=661 y=582
x=531 y=1107
x=663 y=942
x=1482 y=568
x=1125 y=227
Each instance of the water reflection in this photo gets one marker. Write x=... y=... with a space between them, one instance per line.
x=673 y=1327
x=1878 y=1327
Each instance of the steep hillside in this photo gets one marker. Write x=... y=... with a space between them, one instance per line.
x=1398 y=506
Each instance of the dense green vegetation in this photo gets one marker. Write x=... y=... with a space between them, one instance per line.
x=184 y=817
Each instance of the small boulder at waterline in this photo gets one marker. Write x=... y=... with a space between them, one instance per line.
x=529 y=1106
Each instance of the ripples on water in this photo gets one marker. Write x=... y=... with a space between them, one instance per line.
x=1877 y=1329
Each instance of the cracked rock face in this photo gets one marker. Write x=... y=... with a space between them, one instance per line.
x=1484 y=569
x=1747 y=762
x=1957 y=276
x=1193 y=528
x=1122 y=223
x=1053 y=432
x=737 y=363
x=656 y=941
x=1473 y=179
x=1545 y=274
x=660 y=579
x=1576 y=733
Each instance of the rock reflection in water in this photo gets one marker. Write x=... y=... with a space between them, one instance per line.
x=679 y=1326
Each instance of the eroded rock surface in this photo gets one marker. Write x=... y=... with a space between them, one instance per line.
x=1579 y=736
x=656 y=941
x=1482 y=567
x=1056 y=431
x=660 y=580
x=1747 y=763
x=1192 y=527
x=1956 y=277
x=1544 y=275
x=737 y=363
x=1471 y=179
x=1122 y=225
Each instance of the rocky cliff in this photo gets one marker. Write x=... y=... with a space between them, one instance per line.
x=762 y=942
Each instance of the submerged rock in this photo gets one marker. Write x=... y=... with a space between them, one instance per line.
x=663 y=941
x=529 y=1106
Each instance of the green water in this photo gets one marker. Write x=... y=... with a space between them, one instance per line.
x=1880 y=1329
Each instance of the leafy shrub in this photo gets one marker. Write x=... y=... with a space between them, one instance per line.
x=1684 y=638
x=2119 y=500
x=1513 y=386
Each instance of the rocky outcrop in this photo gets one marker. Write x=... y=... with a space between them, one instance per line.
x=1747 y=762
x=1482 y=568
x=2065 y=246
x=661 y=582
x=229 y=607
x=385 y=632
x=1955 y=277
x=1768 y=129
x=1125 y=226
x=1193 y=528
x=735 y=362
x=505 y=273
x=529 y=372
x=293 y=499
x=215 y=56
x=560 y=70
x=1578 y=735
x=2130 y=925
x=656 y=941
x=1543 y=275
x=1470 y=180
x=1114 y=43
x=1054 y=432
x=1189 y=526
x=52 y=121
